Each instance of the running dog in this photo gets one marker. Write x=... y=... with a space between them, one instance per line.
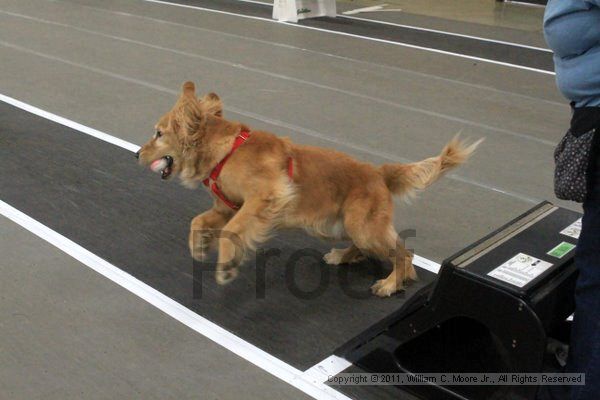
x=261 y=182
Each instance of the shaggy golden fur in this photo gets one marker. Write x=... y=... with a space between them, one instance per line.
x=331 y=195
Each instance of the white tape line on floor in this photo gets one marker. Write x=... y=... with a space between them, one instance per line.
x=330 y=366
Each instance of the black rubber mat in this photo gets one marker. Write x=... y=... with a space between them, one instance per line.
x=95 y=194
x=507 y=53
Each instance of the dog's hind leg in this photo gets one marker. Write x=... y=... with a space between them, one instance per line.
x=402 y=270
x=368 y=222
x=204 y=228
x=348 y=255
x=248 y=227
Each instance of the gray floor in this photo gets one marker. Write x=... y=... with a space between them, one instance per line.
x=68 y=333
x=116 y=66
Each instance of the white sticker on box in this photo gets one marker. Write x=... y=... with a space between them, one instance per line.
x=520 y=270
x=573 y=230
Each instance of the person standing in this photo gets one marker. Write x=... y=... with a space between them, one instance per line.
x=572 y=30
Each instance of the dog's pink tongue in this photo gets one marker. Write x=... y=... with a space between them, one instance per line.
x=158 y=165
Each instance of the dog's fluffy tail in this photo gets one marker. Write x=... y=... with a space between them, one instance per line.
x=407 y=179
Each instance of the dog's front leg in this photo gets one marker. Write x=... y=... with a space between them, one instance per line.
x=204 y=229
x=247 y=228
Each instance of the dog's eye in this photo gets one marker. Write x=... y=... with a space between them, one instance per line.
x=158 y=134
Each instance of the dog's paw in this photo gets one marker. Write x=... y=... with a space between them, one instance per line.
x=342 y=256
x=385 y=288
x=197 y=251
x=334 y=257
x=198 y=254
x=224 y=277
x=199 y=246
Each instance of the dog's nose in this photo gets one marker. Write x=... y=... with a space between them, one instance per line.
x=137 y=154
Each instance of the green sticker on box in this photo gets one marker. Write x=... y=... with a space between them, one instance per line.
x=562 y=249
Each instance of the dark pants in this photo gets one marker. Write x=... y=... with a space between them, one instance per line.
x=584 y=352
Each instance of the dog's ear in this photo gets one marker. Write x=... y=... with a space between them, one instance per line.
x=192 y=117
x=212 y=104
x=187 y=113
x=188 y=89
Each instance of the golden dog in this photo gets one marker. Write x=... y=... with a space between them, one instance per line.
x=270 y=183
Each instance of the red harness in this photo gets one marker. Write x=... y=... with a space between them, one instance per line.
x=239 y=140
